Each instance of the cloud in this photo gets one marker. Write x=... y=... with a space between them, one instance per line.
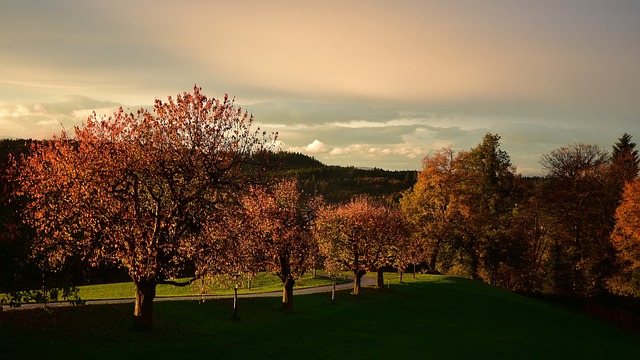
x=316 y=147
x=43 y=120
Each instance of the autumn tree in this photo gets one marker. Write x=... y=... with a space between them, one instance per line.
x=404 y=248
x=462 y=206
x=137 y=189
x=487 y=197
x=21 y=278
x=626 y=241
x=355 y=236
x=532 y=233
x=278 y=234
x=14 y=247
x=431 y=207
x=581 y=210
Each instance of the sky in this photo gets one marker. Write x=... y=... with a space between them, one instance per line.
x=353 y=83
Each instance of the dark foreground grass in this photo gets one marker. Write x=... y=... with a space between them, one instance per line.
x=429 y=318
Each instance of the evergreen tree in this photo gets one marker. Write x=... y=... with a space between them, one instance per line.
x=625 y=160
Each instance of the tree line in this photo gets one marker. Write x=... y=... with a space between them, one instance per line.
x=557 y=234
x=192 y=189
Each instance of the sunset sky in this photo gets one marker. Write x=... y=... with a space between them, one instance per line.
x=362 y=83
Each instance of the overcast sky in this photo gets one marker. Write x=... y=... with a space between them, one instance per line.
x=362 y=83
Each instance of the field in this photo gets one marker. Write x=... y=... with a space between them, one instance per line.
x=432 y=317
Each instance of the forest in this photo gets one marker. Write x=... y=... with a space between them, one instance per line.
x=192 y=190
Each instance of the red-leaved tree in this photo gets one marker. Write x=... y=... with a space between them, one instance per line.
x=137 y=189
x=278 y=234
x=357 y=236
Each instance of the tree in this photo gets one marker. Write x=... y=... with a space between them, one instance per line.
x=625 y=160
x=14 y=243
x=532 y=232
x=487 y=194
x=431 y=207
x=279 y=232
x=462 y=205
x=626 y=240
x=137 y=189
x=404 y=249
x=582 y=212
x=355 y=236
x=21 y=279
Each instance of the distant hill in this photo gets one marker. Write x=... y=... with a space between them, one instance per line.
x=286 y=160
x=338 y=183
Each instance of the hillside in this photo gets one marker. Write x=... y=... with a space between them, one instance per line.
x=338 y=183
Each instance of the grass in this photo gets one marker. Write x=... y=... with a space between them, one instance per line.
x=263 y=282
x=432 y=317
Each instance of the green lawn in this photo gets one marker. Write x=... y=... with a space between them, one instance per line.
x=263 y=282
x=432 y=317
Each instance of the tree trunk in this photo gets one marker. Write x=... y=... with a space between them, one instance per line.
x=143 y=312
x=475 y=264
x=434 y=258
x=287 y=293
x=400 y=273
x=357 y=277
x=380 y=278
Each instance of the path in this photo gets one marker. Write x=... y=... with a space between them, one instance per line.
x=366 y=281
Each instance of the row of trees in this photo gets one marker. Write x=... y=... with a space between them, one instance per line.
x=477 y=217
x=179 y=190
x=185 y=190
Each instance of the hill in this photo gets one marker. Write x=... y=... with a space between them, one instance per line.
x=433 y=317
x=339 y=183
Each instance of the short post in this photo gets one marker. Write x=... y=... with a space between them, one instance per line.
x=333 y=288
x=238 y=277
x=235 y=301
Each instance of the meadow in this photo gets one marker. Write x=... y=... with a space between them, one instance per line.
x=431 y=317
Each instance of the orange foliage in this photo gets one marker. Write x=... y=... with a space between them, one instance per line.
x=626 y=235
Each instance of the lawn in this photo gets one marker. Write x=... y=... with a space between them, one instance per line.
x=263 y=282
x=432 y=317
